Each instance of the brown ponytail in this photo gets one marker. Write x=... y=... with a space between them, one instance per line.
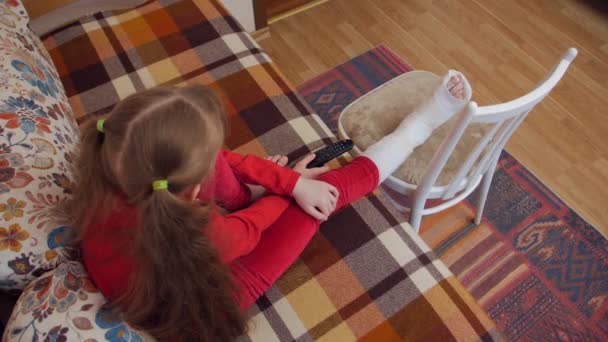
x=92 y=178
x=180 y=289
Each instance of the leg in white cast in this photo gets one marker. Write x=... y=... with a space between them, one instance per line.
x=449 y=98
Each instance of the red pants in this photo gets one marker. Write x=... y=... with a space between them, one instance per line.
x=285 y=240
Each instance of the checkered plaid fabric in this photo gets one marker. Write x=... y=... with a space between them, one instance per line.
x=365 y=276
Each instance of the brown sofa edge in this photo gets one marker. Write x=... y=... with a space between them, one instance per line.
x=72 y=11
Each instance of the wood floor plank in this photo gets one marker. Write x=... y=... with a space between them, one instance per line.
x=505 y=48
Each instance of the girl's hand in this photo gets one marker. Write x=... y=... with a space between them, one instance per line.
x=318 y=199
x=313 y=173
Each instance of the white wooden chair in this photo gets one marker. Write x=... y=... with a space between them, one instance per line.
x=478 y=166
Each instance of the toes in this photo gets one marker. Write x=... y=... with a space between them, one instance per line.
x=459 y=95
x=458 y=90
x=457 y=86
x=452 y=82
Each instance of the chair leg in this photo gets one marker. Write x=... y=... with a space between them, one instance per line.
x=416 y=213
x=483 y=192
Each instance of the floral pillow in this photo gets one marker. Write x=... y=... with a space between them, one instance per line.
x=64 y=305
x=37 y=136
x=13 y=14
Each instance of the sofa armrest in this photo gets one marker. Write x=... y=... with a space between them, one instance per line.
x=73 y=11
x=64 y=305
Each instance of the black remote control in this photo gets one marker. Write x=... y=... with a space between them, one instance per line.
x=330 y=152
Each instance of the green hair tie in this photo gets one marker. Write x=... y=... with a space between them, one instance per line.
x=100 y=123
x=162 y=184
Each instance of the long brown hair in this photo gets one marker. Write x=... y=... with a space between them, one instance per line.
x=180 y=289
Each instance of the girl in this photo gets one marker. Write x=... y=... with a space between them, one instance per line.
x=149 y=178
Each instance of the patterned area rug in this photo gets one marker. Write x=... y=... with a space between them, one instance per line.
x=536 y=267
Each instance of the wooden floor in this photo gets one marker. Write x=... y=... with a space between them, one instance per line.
x=504 y=48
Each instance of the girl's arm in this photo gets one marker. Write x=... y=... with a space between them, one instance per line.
x=316 y=198
x=238 y=233
x=225 y=188
x=255 y=170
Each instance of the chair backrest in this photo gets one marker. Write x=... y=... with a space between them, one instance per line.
x=502 y=119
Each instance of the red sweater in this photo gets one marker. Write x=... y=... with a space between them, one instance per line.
x=233 y=235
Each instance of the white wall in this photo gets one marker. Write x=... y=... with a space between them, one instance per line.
x=242 y=11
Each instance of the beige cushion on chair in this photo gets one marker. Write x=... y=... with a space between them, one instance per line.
x=379 y=112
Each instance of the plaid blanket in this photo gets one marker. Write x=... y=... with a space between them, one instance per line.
x=365 y=276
